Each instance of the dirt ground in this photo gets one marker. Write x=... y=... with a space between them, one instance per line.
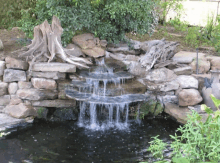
x=15 y=39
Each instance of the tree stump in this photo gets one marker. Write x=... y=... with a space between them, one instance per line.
x=46 y=45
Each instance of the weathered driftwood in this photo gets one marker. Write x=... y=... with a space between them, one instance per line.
x=157 y=51
x=47 y=44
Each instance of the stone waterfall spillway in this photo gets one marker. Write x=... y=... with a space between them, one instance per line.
x=102 y=108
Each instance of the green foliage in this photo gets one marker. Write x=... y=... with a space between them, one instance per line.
x=157 y=147
x=198 y=141
x=10 y=11
x=192 y=37
x=108 y=20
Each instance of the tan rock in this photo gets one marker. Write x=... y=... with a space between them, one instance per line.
x=187 y=81
x=13 y=63
x=15 y=101
x=103 y=43
x=189 y=97
x=215 y=62
x=55 y=103
x=76 y=50
x=95 y=52
x=183 y=70
x=41 y=83
x=24 y=85
x=5 y=100
x=203 y=65
x=20 y=111
x=36 y=94
x=85 y=41
x=48 y=75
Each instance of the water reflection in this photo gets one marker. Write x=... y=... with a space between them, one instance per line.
x=67 y=143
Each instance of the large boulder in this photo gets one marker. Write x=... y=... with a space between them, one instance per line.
x=189 y=97
x=41 y=83
x=36 y=94
x=12 y=63
x=54 y=66
x=161 y=75
x=11 y=75
x=3 y=88
x=77 y=52
x=20 y=111
x=186 y=81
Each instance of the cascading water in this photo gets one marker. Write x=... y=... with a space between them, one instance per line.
x=99 y=109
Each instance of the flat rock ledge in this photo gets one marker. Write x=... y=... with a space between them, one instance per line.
x=8 y=123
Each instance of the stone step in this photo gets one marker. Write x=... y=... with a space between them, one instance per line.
x=54 y=66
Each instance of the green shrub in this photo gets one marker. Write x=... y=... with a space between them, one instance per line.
x=107 y=19
x=198 y=141
x=192 y=37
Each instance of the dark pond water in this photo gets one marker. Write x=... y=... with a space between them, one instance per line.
x=67 y=143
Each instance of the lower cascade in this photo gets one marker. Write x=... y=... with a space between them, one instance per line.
x=102 y=108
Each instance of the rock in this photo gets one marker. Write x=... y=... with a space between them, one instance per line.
x=85 y=41
x=20 y=111
x=183 y=70
x=185 y=60
x=103 y=43
x=2 y=109
x=65 y=114
x=95 y=52
x=2 y=67
x=161 y=75
x=36 y=94
x=169 y=86
x=1 y=45
x=214 y=62
x=136 y=44
x=136 y=69
x=62 y=95
x=74 y=77
x=187 y=81
x=131 y=58
x=48 y=75
x=189 y=97
x=63 y=84
x=76 y=50
x=41 y=83
x=55 y=103
x=12 y=88
x=118 y=56
x=203 y=66
x=54 y=66
x=12 y=63
x=41 y=112
x=123 y=49
x=15 y=101
x=24 y=85
x=5 y=100
x=167 y=63
x=167 y=99
x=3 y=88
x=11 y=75
x=179 y=113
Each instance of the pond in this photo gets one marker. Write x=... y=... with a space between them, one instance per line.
x=68 y=143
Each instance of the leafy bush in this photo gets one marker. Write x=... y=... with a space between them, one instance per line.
x=107 y=19
x=10 y=11
x=199 y=141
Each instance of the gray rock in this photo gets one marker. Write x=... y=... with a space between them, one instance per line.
x=169 y=86
x=20 y=111
x=12 y=63
x=123 y=49
x=24 y=85
x=2 y=67
x=54 y=66
x=135 y=68
x=76 y=50
x=188 y=97
x=186 y=60
x=103 y=43
x=41 y=83
x=167 y=99
x=3 y=88
x=187 y=81
x=12 y=88
x=94 y=52
x=41 y=112
x=5 y=100
x=161 y=75
x=85 y=41
x=55 y=103
x=48 y=75
x=36 y=94
x=11 y=75
x=203 y=65
x=15 y=101
x=2 y=109
x=1 y=45
x=183 y=70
